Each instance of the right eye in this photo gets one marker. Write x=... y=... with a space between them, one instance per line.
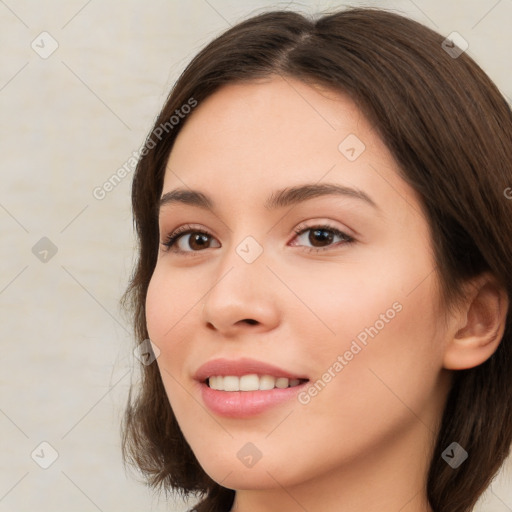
x=187 y=239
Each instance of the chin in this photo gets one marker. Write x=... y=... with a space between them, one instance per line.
x=246 y=479
x=232 y=473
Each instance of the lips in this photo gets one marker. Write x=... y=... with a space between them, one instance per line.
x=242 y=367
x=234 y=397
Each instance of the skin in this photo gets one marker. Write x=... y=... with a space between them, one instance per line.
x=371 y=427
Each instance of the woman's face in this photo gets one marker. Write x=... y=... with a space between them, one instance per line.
x=333 y=285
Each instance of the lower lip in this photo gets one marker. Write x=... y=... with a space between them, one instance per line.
x=243 y=404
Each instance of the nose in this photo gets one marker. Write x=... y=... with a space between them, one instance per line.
x=242 y=298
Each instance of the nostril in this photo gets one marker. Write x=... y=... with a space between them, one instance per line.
x=250 y=321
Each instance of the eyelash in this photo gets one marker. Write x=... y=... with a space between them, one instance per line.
x=173 y=237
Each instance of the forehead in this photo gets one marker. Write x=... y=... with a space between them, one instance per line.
x=248 y=139
x=264 y=116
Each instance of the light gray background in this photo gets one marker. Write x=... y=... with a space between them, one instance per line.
x=68 y=123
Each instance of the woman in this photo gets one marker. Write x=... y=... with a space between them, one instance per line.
x=325 y=272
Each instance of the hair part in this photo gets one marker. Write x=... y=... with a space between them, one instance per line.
x=450 y=132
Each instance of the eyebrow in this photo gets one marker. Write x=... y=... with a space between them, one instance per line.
x=278 y=199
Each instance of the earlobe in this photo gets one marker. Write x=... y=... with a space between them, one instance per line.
x=479 y=326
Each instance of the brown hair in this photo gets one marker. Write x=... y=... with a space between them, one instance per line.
x=450 y=131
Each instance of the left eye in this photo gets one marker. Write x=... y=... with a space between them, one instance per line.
x=322 y=236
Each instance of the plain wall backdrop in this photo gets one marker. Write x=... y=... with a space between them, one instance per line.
x=80 y=84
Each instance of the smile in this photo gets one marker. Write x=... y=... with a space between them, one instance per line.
x=251 y=382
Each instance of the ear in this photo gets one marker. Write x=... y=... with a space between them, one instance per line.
x=477 y=328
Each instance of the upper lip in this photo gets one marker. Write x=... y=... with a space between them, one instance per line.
x=241 y=367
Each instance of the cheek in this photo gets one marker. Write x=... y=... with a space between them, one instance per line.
x=381 y=317
x=157 y=320
x=173 y=306
x=376 y=303
x=169 y=304
x=385 y=357
x=169 y=301
x=165 y=320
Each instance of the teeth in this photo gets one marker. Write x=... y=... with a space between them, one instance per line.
x=251 y=382
x=267 y=382
x=248 y=382
x=231 y=383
